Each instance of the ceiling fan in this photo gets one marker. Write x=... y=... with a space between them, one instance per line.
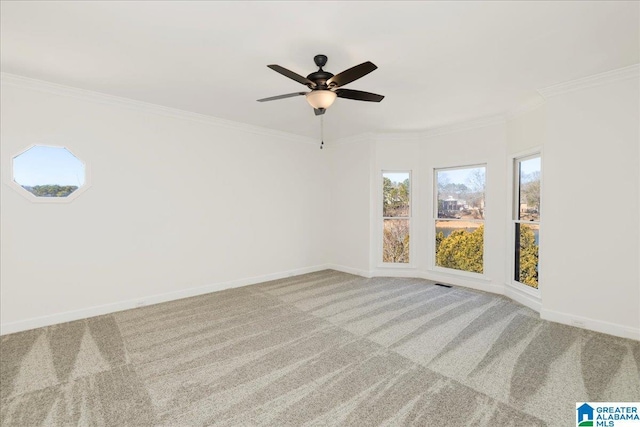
x=326 y=87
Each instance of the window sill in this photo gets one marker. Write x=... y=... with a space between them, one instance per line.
x=390 y=265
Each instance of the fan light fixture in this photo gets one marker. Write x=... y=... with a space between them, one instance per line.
x=321 y=99
x=326 y=87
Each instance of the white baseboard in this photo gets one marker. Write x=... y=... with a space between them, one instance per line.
x=68 y=316
x=395 y=272
x=534 y=303
x=554 y=316
x=507 y=290
x=591 y=324
x=472 y=283
x=479 y=284
x=350 y=270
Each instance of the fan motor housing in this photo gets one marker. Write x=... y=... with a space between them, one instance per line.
x=320 y=78
x=323 y=81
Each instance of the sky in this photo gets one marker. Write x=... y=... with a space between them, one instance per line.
x=458 y=176
x=396 y=177
x=531 y=165
x=461 y=176
x=43 y=165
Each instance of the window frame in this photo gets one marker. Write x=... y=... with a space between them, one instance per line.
x=434 y=218
x=380 y=232
x=51 y=200
x=514 y=208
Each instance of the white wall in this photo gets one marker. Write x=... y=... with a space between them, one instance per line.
x=175 y=204
x=526 y=135
x=527 y=131
x=421 y=154
x=349 y=243
x=181 y=206
x=396 y=154
x=590 y=212
x=590 y=250
x=357 y=207
x=484 y=145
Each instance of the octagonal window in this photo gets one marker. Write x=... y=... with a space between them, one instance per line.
x=48 y=172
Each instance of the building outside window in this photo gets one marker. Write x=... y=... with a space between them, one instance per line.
x=459 y=218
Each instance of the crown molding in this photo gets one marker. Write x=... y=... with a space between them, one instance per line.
x=625 y=73
x=632 y=71
x=360 y=137
x=478 y=123
x=400 y=136
x=481 y=122
x=146 y=107
x=518 y=111
x=629 y=72
x=421 y=135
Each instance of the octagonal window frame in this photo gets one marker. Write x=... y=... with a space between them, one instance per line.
x=40 y=199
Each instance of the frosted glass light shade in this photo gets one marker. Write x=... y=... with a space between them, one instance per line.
x=321 y=98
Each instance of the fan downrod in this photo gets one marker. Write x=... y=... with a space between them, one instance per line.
x=322 y=80
x=321 y=76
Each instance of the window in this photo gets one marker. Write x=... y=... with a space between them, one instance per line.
x=526 y=219
x=459 y=218
x=396 y=214
x=48 y=172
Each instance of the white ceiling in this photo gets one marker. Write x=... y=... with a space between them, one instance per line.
x=439 y=62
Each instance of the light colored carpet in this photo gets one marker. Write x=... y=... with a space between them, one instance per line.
x=322 y=349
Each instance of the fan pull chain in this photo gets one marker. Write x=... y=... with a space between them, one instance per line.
x=321 y=131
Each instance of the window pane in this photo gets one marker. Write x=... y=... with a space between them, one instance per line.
x=395 y=194
x=48 y=171
x=527 y=245
x=461 y=193
x=460 y=245
x=395 y=245
x=529 y=184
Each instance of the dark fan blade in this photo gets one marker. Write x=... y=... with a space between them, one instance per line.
x=353 y=73
x=359 y=95
x=288 y=73
x=289 y=95
x=319 y=111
